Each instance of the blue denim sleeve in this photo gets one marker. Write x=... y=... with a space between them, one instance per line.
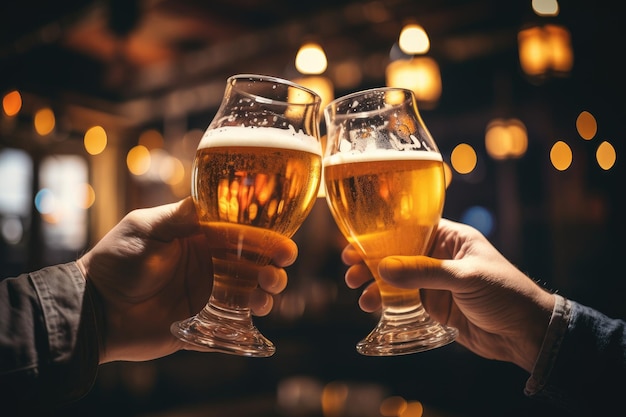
x=48 y=339
x=582 y=363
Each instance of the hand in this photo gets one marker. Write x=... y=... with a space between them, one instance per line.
x=154 y=268
x=466 y=283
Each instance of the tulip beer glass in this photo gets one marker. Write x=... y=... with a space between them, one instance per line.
x=255 y=178
x=385 y=186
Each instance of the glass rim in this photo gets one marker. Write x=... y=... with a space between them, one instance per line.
x=368 y=91
x=317 y=99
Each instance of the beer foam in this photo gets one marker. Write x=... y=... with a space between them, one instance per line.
x=265 y=137
x=381 y=155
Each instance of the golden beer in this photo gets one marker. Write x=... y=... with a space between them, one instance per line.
x=250 y=195
x=386 y=203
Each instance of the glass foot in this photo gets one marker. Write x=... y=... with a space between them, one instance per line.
x=219 y=334
x=401 y=337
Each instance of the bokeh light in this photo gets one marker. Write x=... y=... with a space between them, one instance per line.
x=88 y=196
x=561 y=155
x=586 y=125
x=311 y=59
x=12 y=103
x=392 y=406
x=138 y=160
x=606 y=155
x=15 y=195
x=334 y=396
x=44 y=121
x=172 y=171
x=12 y=229
x=299 y=394
x=413 y=409
x=506 y=138
x=545 y=7
x=95 y=140
x=463 y=158
x=414 y=40
x=45 y=201
x=480 y=218
x=151 y=139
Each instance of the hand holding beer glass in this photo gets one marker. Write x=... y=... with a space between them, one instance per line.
x=255 y=179
x=385 y=187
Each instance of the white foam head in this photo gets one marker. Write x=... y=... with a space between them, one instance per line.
x=381 y=155
x=268 y=137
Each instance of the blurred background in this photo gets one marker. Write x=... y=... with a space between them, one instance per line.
x=104 y=103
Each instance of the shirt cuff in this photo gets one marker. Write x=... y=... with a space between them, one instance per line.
x=70 y=320
x=550 y=347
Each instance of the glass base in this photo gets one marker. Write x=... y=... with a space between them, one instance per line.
x=225 y=332
x=404 y=334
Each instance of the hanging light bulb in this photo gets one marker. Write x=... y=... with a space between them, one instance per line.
x=545 y=7
x=413 y=40
x=311 y=59
x=311 y=62
x=420 y=74
x=545 y=50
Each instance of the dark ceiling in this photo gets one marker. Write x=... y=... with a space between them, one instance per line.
x=145 y=59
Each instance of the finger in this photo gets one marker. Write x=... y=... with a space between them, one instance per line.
x=350 y=256
x=272 y=280
x=370 y=300
x=419 y=272
x=261 y=303
x=357 y=275
x=284 y=253
x=264 y=242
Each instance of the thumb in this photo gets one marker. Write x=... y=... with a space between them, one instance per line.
x=418 y=272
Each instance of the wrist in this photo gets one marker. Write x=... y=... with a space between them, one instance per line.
x=80 y=263
x=530 y=347
x=97 y=308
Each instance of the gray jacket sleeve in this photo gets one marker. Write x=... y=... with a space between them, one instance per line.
x=48 y=339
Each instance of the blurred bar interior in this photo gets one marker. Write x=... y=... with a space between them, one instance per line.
x=104 y=102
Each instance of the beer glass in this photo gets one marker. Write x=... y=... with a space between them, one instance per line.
x=255 y=178
x=385 y=186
